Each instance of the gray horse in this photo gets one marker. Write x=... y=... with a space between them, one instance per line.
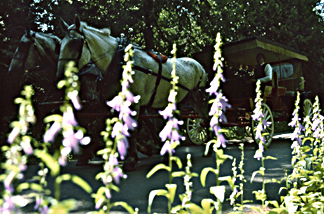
x=38 y=54
x=36 y=49
x=83 y=43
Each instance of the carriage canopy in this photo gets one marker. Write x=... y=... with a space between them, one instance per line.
x=245 y=51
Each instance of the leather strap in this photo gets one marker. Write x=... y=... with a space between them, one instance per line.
x=157 y=82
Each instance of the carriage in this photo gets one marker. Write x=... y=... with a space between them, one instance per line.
x=289 y=74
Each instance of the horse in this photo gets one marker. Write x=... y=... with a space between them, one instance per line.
x=83 y=43
x=39 y=52
x=35 y=49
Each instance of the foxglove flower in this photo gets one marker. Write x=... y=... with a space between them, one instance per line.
x=258 y=154
x=168 y=111
x=52 y=132
x=75 y=99
x=116 y=103
x=232 y=196
x=68 y=117
x=122 y=146
x=13 y=134
x=167 y=147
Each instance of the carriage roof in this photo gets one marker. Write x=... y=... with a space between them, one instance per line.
x=245 y=51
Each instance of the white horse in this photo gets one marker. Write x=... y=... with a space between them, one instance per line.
x=83 y=43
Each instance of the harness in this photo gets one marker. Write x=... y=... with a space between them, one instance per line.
x=117 y=62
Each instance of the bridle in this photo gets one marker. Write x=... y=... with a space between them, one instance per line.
x=82 y=41
x=39 y=49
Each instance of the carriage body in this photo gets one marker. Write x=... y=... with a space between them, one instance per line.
x=289 y=76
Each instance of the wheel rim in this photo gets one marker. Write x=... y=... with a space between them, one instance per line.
x=307 y=107
x=269 y=130
x=195 y=131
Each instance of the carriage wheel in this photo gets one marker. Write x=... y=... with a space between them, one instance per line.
x=269 y=130
x=196 y=130
x=307 y=107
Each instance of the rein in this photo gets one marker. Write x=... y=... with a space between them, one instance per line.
x=122 y=44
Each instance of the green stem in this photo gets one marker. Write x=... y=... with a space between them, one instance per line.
x=170 y=180
x=57 y=188
x=263 y=182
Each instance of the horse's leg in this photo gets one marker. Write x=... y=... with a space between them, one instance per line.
x=90 y=150
x=148 y=141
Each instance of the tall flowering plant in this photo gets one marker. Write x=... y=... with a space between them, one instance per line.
x=218 y=107
x=16 y=153
x=73 y=136
x=259 y=118
x=171 y=138
x=115 y=136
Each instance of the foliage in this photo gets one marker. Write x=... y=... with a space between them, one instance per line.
x=22 y=145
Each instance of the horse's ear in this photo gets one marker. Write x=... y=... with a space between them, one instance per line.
x=64 y=26
x=77 y=22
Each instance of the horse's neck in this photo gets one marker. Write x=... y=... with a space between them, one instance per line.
x=102 y=49
x=49 y=45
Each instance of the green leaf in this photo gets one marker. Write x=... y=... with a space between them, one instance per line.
x=50 y=162
x=270 y=157
x=208 y=145
x=63 y=207
x=19 y=100
x=221 y=157
x=152 y=196
x=274 y=203
x=22 y=187
x=228 y=179
x=156 y=168
x=125 y=205
x=260 y=195
x=205 y=203
x=172 y=190
x=178 y=174
x=82 y=183
x=177 y=160
x=53 y=118
x=255 y=172
x=193 y=208
x=204 y=173
x=219 y=192
x=305 y=149
x=61 y=84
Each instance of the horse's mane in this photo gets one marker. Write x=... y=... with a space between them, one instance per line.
x=103 y=31
x=52 y=36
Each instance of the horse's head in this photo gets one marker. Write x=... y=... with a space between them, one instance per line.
x=83 y=43
x=35 y=49
x=73 y=47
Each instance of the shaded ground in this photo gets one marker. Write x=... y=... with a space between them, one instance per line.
x=135 y=189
